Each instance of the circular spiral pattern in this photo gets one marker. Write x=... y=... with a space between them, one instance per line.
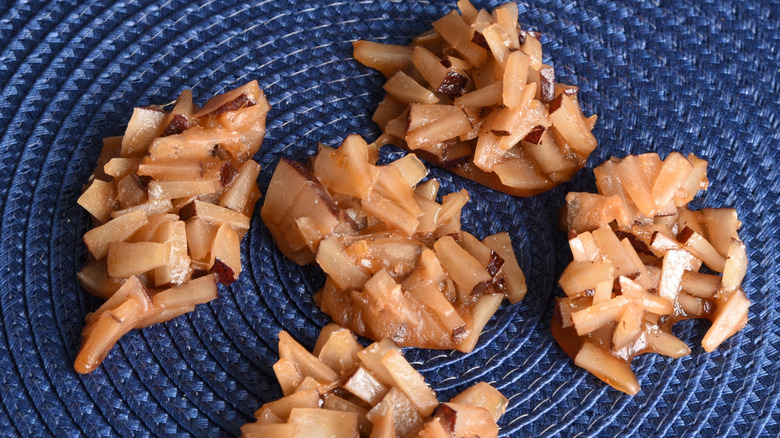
x=697 y=77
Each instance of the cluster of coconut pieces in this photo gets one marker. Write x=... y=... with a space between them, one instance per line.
x=473 y=95
x=398 y=264
x=342 y=390
x=171 y=200
x=638 y=251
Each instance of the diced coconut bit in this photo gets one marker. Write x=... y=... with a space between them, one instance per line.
x=397 y=263
x=651 y=275
x=473 y=96
x=171 y=200
x=341 y=389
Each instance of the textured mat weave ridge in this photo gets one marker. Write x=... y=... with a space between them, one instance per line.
x=699 y=77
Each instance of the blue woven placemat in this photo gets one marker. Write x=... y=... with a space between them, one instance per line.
x=695 y=76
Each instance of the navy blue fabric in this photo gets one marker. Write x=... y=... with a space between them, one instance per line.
x=694 y=76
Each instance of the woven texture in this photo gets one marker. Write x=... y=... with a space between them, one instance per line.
x=693 y=76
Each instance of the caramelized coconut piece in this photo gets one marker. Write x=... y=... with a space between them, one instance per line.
x=198 y=291
x=582 y=276
x=482 y=97
x=608 y=243
x=172 y=198
x=583 y=247
x=735 y=267
x=721 y=225
x=180 y=116
x=384 y=425
x=127 y=259
x=405 y=416
x=323 y=423
x=515 y=287
x=539 y=144
x=346 y=170
x=393 y=267
x=94 y=278
x=388 y=109
x=430 y=295
x=305 y=361
x=335 y=403
x=177 y=270
x=674 y=264
x=457 y=33
x=657 y=247
x=410 y=382
x=145 y=125
x=730 y=316
x=215 y=214
x=282 y=408
x=434 y=429
x=364 y=385
x=339 y=351
x=387 y=58
x=467 y=272
x=466 y=421
x=120 y=167
x=99 y=200
x=246 y=95
x=411 y=169
x=335 y=262
x=181 y=189
x=113 y=319
x=288 y=375
x=697 y=245
x=385 y=210
x=608 y=184
x=199 y=143
x=599 y=315
x=485 y=396
x=666 y=344
x=518 y=172
x=258 y=430
x=243 y=191
x=608 y=368
x=405 y=89
x=515 y=79
x=172 y=171
x=147 y=232
x=628 y=328
x=116 y=230
x=112 y=148
x=427 y=136
x=179 y=300
x=485 y=307
x=495 y=114
x=567 y=119
x=443 y=79
x=385 y=308
x=672 y=175
x=152 y=207
x=100 y=336
x=225 y=254
x=590 y=211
